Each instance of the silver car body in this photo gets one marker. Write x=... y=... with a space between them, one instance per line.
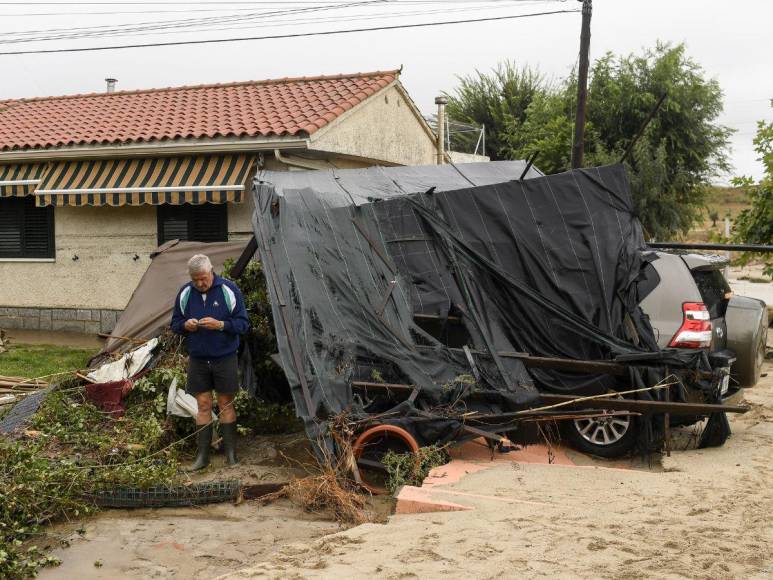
x=739 y=326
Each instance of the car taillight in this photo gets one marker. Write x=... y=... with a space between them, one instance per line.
x=695 y=331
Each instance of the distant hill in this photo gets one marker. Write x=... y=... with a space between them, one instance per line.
x=726 y=202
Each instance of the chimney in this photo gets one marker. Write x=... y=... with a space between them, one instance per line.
x=441 y=103
x=111 y=85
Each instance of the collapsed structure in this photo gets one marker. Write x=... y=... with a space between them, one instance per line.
x=420 y=296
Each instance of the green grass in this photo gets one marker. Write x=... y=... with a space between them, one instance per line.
x=40 y=359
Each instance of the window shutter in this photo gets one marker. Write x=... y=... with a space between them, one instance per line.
x=38 y=238
x=197 y=223
x=11 y=221
x=26 y=231
x=175 y=227
x=209 y=223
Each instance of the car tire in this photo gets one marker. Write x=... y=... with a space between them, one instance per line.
x=586 y=435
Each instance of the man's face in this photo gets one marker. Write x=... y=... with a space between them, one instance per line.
x=202 y=281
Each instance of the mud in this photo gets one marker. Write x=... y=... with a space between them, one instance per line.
x=200 y=542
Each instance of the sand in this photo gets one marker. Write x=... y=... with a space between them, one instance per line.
x=698 y=514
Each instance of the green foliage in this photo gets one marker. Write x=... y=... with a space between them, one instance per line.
x=261 y=337
x=410 y=469
x=150 y=392
x=76 y=450
x=681 y=150
x=755 y=224
x=39 y=360
x=254 y=415
x=262 y=418
x=546 y=130
x=498 y=100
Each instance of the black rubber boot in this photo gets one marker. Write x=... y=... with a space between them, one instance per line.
x=229 y=442
x=203 y=443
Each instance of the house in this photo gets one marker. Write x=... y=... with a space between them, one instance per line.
x=91 y=185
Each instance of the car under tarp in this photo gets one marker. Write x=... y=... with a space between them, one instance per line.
x=441 y=278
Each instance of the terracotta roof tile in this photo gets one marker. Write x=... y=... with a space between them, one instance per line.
x=288 y=106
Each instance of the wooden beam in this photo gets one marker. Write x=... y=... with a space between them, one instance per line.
x=646 y=406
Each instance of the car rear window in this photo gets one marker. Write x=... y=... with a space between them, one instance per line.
x=648 y=281
x=713 y=288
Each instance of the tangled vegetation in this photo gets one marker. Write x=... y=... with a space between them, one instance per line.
x=272 y=383
x=410 y=469
x=71 y=450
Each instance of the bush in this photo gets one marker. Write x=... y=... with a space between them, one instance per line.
x=410 y=469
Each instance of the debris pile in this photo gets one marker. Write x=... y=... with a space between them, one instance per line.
x=104 y=437
x=460 y=301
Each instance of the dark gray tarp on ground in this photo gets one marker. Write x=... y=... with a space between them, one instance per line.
x=546 y=266
x=150 y=308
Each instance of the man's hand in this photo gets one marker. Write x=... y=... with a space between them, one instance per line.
x=191 y=325
x=211 y=324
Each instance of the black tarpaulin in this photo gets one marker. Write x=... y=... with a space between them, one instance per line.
x=382 y=274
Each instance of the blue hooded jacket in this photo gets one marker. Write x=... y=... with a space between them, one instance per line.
x=224 y=302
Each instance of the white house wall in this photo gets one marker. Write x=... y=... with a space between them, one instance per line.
x=384 y=128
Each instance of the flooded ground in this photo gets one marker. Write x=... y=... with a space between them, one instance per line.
x=197 y=542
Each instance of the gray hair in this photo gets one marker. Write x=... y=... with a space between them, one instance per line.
x=199 y=263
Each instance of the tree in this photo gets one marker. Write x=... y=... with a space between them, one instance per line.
x=713 y=216
x=755 y=224
x=498 y=100
x=670 y=167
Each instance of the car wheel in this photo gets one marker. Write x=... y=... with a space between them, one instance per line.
x=608 y=435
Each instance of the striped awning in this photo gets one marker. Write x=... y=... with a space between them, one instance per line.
x=153 y=181
x=19 y=179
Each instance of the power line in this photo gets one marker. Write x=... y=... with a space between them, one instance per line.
x=267 y=20
x=163 y=24
x=281 y=36
x=218 y=3
x=222 y=8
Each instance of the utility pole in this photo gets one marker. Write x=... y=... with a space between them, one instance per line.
x=578 y=148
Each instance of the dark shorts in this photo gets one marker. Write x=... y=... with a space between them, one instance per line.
x=219 y=374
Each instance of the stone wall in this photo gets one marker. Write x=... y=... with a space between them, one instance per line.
x=83 y=320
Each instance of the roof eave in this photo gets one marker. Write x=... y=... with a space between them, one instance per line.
x=171 y=147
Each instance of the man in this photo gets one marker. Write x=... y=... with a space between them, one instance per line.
x=210 y=312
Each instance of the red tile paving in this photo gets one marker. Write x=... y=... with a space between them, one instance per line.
x=280 y=107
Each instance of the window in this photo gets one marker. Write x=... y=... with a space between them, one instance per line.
x=195 y=223
x=26 y=231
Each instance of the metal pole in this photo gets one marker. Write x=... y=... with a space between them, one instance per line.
x=582 y=87
x=757 y=248
x=727 y=254
x=441 y=126
x=649 y=118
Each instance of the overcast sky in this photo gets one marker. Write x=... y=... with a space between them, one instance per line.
x=731 y=41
